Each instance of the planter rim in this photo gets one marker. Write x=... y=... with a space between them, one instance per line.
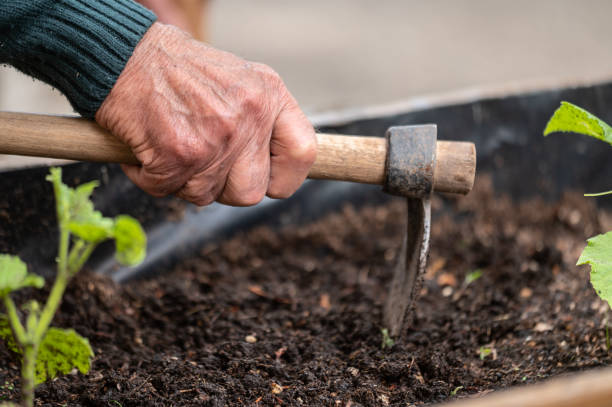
x=454 y=97
x=411 y=104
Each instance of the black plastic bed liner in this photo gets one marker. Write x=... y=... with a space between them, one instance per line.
x=507 y=132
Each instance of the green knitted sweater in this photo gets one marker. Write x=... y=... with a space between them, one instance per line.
x=78 y=46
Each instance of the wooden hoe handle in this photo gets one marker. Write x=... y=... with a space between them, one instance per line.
x=342 y=158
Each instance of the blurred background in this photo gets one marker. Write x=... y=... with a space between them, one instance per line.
x=337 y=54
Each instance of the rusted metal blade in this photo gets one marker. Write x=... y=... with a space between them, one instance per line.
x=411 y=161
x=410 y=268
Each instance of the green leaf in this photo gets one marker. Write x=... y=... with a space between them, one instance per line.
x=473 y=276
x=61 y=351
x=130 y=240
x=86 y=222
x=14 y=275
x=95 y=229
x=77 y=213
x=81 y=207
x=598 y=254
x=570 y=118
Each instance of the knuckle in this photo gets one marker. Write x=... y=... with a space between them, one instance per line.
x=156 y=192
x=195 y=198
x=251 y=197
x=254 y=102
x=266 y=71
x=158 y=188
x=305 y=151
x=201 y=201
x=197 y=191
x=277 y=193
x=272 y=80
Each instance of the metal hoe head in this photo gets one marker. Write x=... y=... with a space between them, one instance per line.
x=411 y=162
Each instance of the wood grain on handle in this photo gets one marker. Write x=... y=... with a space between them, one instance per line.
x=69 y=138
x=343 y=158
x=362 y=159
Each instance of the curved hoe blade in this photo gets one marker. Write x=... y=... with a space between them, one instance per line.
x=410 y=268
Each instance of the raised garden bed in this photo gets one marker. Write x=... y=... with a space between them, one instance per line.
x=286 y=308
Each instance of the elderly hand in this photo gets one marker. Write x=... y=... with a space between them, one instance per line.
x=207 y=125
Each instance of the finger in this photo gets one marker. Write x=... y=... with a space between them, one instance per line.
x=248 y=178
x=158 y=185
x=293 y=150
x=202 y=189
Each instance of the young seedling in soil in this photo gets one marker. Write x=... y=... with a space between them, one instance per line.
x=483 y=352
x=45 y=351
x=387 y=341
x=570 y=118
x=471 y=277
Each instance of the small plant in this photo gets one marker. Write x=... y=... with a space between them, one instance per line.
x=456 y=390
x=387 y=341
x=45 y=351
x=471 y=277
x=484 y=351
x=598 y=252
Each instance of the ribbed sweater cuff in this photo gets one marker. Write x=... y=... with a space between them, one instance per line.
x=78 y=46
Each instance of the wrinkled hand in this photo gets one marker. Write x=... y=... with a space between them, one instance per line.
x=207 y=125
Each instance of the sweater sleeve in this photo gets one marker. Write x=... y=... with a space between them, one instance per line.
x=77 y=46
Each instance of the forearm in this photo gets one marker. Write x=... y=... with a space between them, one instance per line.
x=78 y=46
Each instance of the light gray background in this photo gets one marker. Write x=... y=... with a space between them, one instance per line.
x=345 y=53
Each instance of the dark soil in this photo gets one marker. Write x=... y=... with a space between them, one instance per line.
x=293 y=317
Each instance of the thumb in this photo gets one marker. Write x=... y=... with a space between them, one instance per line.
x=293 y=149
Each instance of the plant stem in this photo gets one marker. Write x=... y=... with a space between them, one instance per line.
x=59 y=286
x=28 y=363
x=599 y=193
x=78 y=264
x=16 y=325
x=75 y=253
x=30 y=351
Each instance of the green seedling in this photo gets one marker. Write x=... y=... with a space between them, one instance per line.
x=387 y=341
x=45 y=351
x=483 y=352
x=471 y=277
x=456 y=390
x=569 y=118
x=598 y=252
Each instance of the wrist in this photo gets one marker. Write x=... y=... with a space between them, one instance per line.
x=149 y=58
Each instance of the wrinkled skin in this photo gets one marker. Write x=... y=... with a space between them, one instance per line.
x=207 y=125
